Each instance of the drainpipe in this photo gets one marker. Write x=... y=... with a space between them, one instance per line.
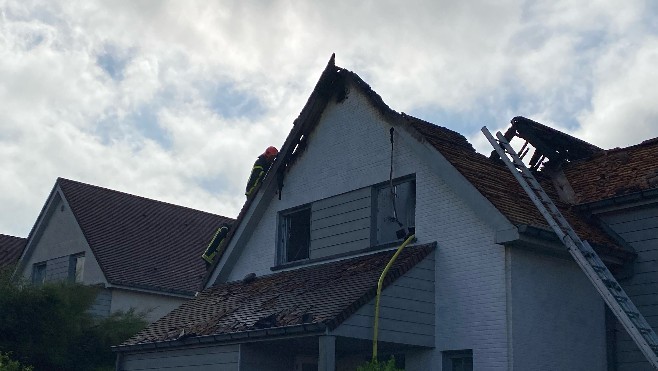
x=379 y=291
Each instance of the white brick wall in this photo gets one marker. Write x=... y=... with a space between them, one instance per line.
x=350 y=149
x=555 y=311
x=61 y=238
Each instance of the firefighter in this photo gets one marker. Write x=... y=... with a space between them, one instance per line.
x=260 y=168
x=211 y=250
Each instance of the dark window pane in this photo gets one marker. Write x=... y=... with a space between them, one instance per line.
x=404 y=195
x=297 y=227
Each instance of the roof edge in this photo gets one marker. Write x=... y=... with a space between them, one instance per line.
x=619 y=202
x=317 y=101
x=150 y=289
x=38 y=226
x=235 y=337
x=607 y=254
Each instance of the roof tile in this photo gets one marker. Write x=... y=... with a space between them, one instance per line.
x=320 y=294
x=141 y=242
x=615 y=172
x=11 y=249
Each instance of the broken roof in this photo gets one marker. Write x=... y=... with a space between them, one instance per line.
x=489 y=176
x=140 y=242
x=319 y=296
x=11 y=249
x=615 y=172
x=549 y=143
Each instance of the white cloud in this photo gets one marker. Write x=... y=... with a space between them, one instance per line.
x=624 y=110
x=174 y=100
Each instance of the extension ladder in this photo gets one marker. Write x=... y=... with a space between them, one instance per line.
x=588 y=260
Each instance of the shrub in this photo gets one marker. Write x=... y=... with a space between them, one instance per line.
x=7 y=364
x=49 y=326
x=375 y=365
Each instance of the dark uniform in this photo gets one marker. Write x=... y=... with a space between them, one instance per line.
x=211 y=251
x=258 y=172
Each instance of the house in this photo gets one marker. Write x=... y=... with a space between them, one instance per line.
x=10 y=250
x=145 y=254
x=484 y=285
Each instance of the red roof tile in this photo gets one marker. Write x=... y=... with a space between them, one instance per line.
x=11 y=249
x=615 y=172
x=495 y=182
x=324 y=294
x=141 y=242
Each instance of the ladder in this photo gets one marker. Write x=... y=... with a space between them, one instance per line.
x=588 y=260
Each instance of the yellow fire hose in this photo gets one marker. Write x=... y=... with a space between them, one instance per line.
x=379 y=291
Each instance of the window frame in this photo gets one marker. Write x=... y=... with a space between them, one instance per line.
x=375 y=239
x=75 y=275
x=41 y=267
x=282 y=242
x=450 y=356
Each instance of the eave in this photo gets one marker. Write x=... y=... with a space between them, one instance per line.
x=237 y=337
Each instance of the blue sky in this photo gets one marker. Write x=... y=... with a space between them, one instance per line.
x=174 y=100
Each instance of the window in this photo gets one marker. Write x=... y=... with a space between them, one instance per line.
x=76 y=267
x=294 y=234
x=394 y=211
x=458 y=360
x=39 y=273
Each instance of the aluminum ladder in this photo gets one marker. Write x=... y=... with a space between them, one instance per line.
x=588 y=260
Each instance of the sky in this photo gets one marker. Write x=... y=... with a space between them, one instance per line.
x=174 y=100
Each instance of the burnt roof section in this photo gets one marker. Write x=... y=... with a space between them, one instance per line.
x=615 y=172
x=140 y=242
x=325 y=294
x=549 y=143
x=492 y=179
x=495 y=182
x=11 y=249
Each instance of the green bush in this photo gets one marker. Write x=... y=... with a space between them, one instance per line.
x=49 y=326
x=7 y=364
x=375 y=365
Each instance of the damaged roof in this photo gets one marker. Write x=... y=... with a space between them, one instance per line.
x=615 y=172
x=11 y=249
x=140 y=242
x=319 y=296
x=494 y=181
x=489 y=176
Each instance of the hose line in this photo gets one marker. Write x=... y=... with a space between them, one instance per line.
x=379 y=291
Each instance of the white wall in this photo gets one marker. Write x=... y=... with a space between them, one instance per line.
x=62 y=237
x=156 y=306
x=557 y=317
x=350 y=149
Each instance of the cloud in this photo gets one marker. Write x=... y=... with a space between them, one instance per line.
x=174 y=100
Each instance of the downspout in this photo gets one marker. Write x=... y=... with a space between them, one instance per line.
x=379 y=291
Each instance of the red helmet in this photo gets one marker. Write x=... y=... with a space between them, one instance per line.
x=271 y=152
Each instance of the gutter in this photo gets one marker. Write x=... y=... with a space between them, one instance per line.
x=154 y=291
x=532 y=236
x=619 y=201
x=236 y=337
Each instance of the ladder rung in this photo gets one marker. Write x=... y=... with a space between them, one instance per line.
x=611 y=284
x=599 y=269
x=587 y=254
x=620 y=299
x=633 y=315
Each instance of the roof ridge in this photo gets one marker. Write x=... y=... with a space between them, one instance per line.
x=60 y=179
x=644 y=143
